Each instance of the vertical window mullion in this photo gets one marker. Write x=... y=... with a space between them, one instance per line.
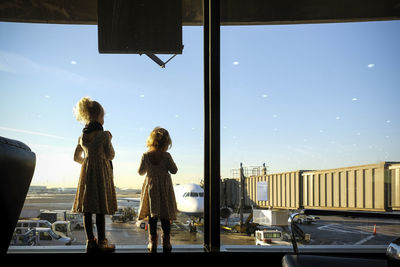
x=212 y=124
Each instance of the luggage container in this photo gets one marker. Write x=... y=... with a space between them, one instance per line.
x=271 y=217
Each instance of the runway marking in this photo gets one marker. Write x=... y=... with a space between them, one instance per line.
x=362 y=241
x=332 y=228
x=340 y=228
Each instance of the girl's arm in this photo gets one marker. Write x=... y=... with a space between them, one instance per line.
x=143 y=167
x=172 y=166
x=78 y=153
x=108 y=147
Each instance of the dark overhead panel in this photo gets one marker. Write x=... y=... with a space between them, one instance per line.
x=140 y=26
x=233 y=12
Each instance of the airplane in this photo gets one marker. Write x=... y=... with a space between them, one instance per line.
x=190 y=201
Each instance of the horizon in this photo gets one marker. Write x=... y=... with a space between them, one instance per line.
x=307 y=96
x=222 y=178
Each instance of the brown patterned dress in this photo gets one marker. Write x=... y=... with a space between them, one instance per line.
x=96 y=191
x=157 y=198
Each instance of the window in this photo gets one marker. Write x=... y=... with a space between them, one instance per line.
x=272 y=235
x=317 y=104
x=45 y=236
x=304 y=107
x=54 y=235
x=46 y=68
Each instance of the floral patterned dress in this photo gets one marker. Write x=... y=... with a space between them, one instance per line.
x=96 y=191
x=157 y=198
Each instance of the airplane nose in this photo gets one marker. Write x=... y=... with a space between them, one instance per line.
x=200 y=204
x=197 y=205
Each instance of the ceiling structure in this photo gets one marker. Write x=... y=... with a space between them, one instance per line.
x=233 y=12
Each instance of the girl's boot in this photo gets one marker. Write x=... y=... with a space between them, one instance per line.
x=104 y=246
x=167 y=247
x=92 y=246
x=153 y=242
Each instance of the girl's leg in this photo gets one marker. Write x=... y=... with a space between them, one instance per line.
x=153 y=225
x=153 y=238
x=104 y=246
x=88 y=225
x=166 y=227
x=91 y=243
x=101 y=226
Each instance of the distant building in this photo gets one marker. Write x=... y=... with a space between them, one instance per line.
x=127 y=190
x=62 y=190
x=37 y=189
x=42 y=189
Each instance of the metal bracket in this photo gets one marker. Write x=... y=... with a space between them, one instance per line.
x=158 y=60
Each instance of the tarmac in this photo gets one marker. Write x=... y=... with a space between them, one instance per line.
x=328 y=230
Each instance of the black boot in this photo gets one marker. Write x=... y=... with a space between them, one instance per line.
x=153 y=242
x=92 y=246
x=166 y=244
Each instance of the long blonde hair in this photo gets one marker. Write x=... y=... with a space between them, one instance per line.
x=159 y=139
x=87 y=109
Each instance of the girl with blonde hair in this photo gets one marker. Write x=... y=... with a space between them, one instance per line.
x=96 y=192
x=157 y=200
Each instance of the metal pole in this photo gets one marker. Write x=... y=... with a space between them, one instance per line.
x=212 y=124
x=241 y=192
x=206 y=128
x=264 y=170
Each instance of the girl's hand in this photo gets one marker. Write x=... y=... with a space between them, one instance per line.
x=109 y=134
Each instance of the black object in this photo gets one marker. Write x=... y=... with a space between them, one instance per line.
x=212 y=109
x=17 y=164
x=393 y=253
x=140 y=26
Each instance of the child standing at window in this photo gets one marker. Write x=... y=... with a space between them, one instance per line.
x=157 y=200
x=96 y=192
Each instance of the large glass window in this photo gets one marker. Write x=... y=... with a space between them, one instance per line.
x=308 y=121
x=46 y=69
x=314 y=103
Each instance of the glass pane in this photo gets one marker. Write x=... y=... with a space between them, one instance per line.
x=311 y=112
x=45 y=69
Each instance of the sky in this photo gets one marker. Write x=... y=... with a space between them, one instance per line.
x=310 y=96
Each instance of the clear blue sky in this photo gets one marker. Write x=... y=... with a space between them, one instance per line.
x=293 y=96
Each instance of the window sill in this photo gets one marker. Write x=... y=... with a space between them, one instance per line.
x=327 y=249
x=308 y=249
